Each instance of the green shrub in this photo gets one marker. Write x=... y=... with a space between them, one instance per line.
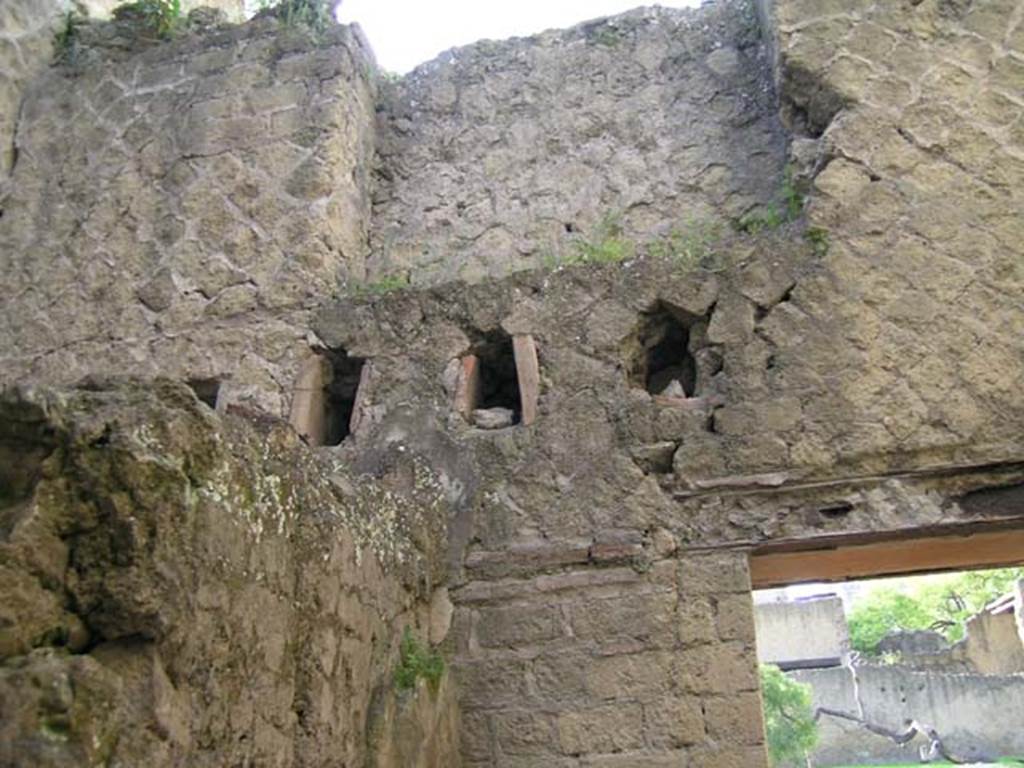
x=316 y=15
x=163 y=18
x=884 y=611
x=416 y=660
x=941 y=605
x=788 y=716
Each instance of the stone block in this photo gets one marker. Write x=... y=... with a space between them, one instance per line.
x=650 y=618
x=489 y=684
x=560 y=677
x=644 y=676
x=518 y=625
x=696 y=621
x=723 y=668
x=735 y=719
x=734 y=617
x=727 y=757
x=673 y=722
x=524 y=733
x=475 y=737
x=638 y=760
x=713 y=574
x=612 y=728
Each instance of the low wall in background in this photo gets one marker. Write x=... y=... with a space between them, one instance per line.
x=798 y=635
x=977 y=716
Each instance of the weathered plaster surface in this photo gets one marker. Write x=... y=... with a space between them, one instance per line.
x=26 y=35
x=179 y=209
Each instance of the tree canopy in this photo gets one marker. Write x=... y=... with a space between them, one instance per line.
x=941 y=605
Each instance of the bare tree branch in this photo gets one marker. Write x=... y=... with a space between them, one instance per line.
x=927 y=752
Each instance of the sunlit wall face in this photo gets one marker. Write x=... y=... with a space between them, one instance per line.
x=405 y=33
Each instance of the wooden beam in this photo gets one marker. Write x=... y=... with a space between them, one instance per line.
x=467 y=389
x=528 y=372
x=990 y=549
x=308 y=411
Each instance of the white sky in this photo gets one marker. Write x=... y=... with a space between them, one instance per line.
x=405 y=33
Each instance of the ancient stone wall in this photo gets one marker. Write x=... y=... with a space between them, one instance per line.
x=503 y=156
x=582 y=539
x=992 y=645
x=182 y=589
x=917 y=114
x=848 y=373
x=843 y=382
x=972 y=713
x=179 y=207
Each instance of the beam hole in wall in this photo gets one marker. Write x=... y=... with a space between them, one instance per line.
x=498 y=382
x=206 y=390
x=836 y=511
x=340 y=392
x=660 y=355
x=326 y=396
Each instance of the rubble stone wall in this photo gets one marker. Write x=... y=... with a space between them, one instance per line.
x=503 y=156
x=183 y=589
x=179 y=208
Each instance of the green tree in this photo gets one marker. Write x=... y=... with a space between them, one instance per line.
x=951 y=602
x=885 y=610
x=943 y=605
x=788 y=716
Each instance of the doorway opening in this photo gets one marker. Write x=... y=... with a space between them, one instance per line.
x=922 y=665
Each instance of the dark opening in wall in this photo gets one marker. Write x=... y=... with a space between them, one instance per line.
x=206 y=390
x=498 y=385
x=340 y=390
x=661 y=360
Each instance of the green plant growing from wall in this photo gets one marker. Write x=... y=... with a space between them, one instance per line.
x=819 y=240
x=416 y=660
x=607 y=36
x=606 y=246
x=163 y=18
x=381 y=286
x=788 y=717
x=774 y=215
x=65 y=40
x=691 y=245
x=315 y=15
